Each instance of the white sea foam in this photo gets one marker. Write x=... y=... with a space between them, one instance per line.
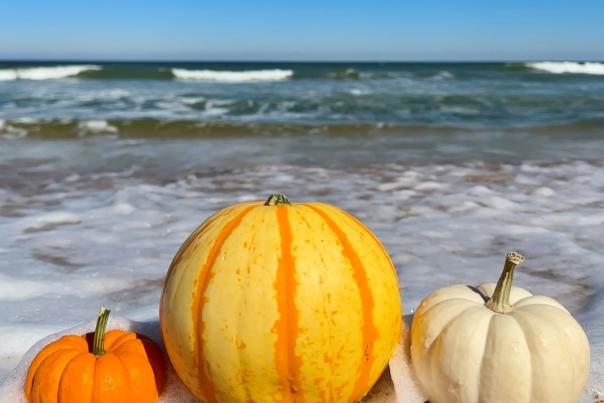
x=52 y=218
x=96 y=127
x=10 y=132
x=359 y=91
x=443 y=75
x=569 y=67
x=44 y=73
x=233 y=76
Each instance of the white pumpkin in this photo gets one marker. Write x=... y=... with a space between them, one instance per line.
x=498 y=344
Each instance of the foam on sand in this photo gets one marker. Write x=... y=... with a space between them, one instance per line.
x=44 y=73
x=233 y=76
x=569 y=67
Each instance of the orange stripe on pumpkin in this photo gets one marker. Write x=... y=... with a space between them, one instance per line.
x=288 y=363
x=199 y=301
x=193 y=237
x=368 y=231
x=370 y=332
x=180 y=253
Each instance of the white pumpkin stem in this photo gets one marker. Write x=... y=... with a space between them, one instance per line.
x=276 y=198
x=98 y=347
x=500 y=301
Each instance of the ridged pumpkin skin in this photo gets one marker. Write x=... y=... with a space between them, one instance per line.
x=131 y=371
x=280 y=303
x=464 y=352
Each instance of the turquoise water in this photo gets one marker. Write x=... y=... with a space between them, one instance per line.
x=411 y=110
x=452 y=94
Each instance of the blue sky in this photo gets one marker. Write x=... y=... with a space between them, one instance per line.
x=303 y=30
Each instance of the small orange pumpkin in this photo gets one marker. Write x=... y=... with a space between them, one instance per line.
x=117 y=367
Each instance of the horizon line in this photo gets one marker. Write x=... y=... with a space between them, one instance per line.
x=309 y=61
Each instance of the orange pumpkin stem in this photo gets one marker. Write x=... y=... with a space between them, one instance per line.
x=500 y=301
x=276 y=199
x=98 y=347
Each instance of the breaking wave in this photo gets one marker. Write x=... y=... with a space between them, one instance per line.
x=569 y=67
x=45 y=73
x=233 y=76
x=157 y=128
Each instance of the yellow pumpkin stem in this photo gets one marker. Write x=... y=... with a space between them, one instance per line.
x=98 y=347
x=500 y=301
x=275 y=199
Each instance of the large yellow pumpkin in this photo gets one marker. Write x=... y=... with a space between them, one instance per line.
x=273 y=301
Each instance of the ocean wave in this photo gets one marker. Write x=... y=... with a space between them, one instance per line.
x=96 y=127
x=45 y=73
x=233 y=76
x=443 y=75
x=569 y=67
x=163 y=129
x=346 y=74
x=8 y=131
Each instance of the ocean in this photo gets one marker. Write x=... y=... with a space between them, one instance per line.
x=105 y=168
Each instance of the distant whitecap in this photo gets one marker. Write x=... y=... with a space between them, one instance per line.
x=233 y=76
x=569 y=67
x=44 y=73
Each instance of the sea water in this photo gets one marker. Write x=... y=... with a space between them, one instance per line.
x=106 y=168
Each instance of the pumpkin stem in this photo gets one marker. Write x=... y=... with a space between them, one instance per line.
x=500 y=301
x=99 y=332
x=275 y=199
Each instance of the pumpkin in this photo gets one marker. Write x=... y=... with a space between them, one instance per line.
x=498 y=343
x=278 y=301
x=116 y=367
